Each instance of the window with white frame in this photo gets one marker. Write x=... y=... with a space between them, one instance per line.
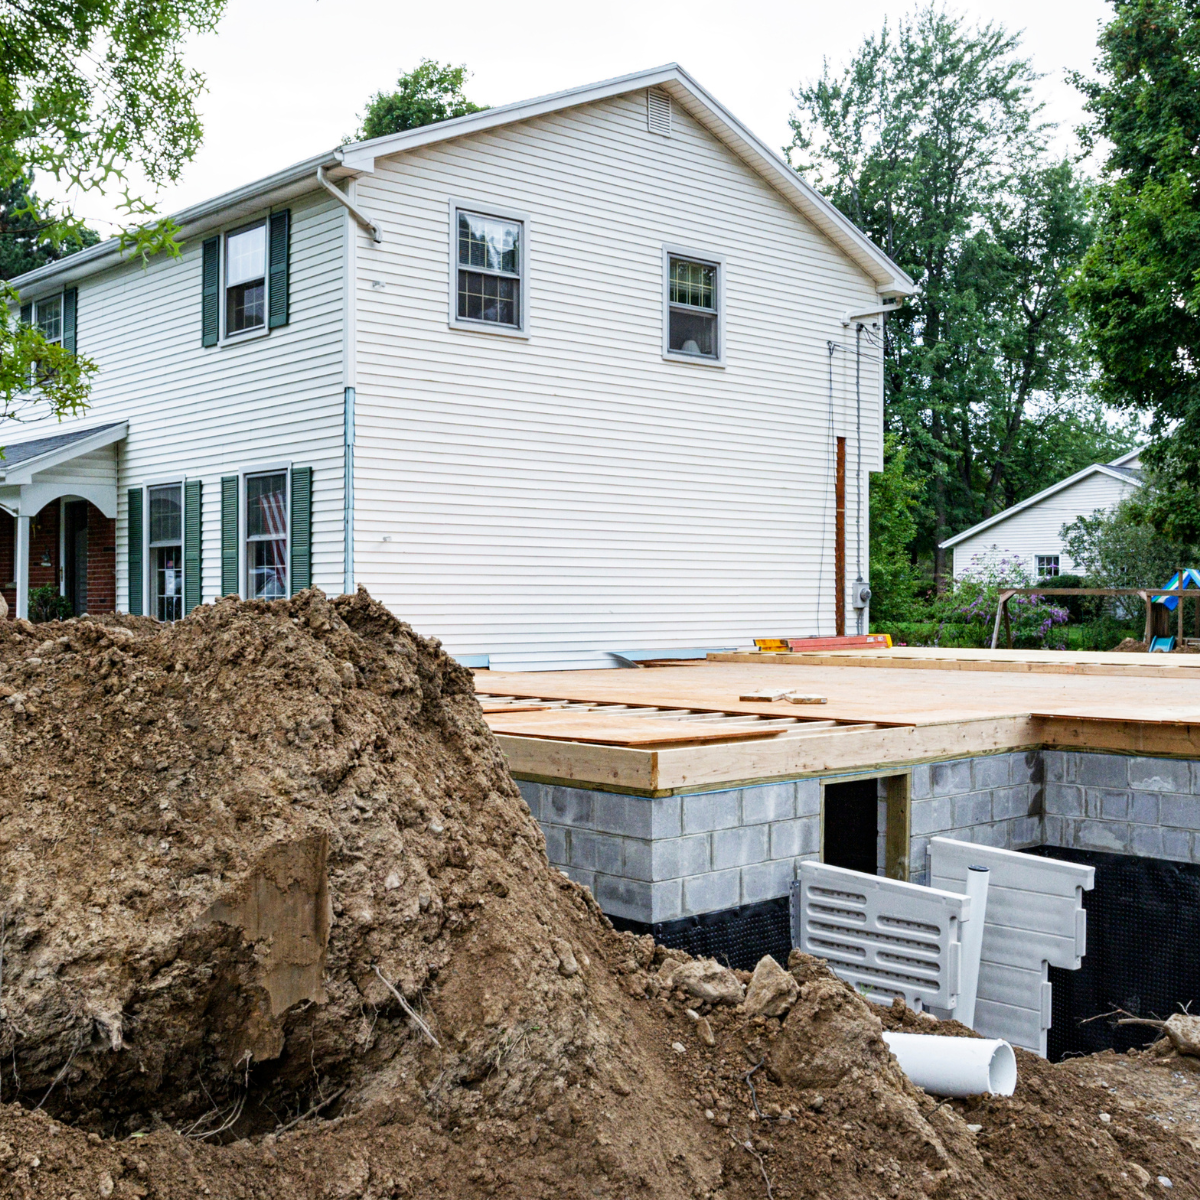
x=693 y=308
x=266 y=535
x=1047 y=566
x=489 y=268
x=246 y=279
x=49 y=318
x=166 y=550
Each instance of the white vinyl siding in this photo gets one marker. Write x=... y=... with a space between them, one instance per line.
x=1035 y=530
x=205 y=414
x=547 y=500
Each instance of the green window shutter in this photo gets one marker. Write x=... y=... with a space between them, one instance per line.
x=191 y=544
x=301 y=565
x=136 y=585
x=70 y=318
x=280 y=251
x=27 y=314
x=210 y=301
x=229 y=535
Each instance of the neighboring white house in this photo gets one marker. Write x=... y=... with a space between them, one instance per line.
x=552 y=380
x=1031 y=530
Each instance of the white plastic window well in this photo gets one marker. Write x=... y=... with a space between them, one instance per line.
x=246 y=279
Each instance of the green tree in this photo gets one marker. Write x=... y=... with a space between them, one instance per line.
x=92 y=93
x=1140 y=284
x=931 y=141
x=894 y=494
x=25 y=238
x=430 y=93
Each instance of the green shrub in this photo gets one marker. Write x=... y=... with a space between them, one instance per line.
x=45 y=604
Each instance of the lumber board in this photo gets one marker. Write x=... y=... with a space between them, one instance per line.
x=617 y=730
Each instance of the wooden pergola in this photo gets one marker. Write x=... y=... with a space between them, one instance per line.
x=1148 y=596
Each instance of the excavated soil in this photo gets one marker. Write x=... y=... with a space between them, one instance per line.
x=275 y=922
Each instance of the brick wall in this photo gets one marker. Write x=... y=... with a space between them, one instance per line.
x=8 y=537
x=102 y=562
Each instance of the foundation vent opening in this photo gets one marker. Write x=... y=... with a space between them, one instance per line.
x=658 y=113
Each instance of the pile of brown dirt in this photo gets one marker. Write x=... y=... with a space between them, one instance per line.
x=275 y=922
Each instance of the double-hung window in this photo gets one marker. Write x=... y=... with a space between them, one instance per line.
x=488 y=267
x=246 y=279
x=267 y=535
x=50 y=318
x=166 y=550
x=693 y=308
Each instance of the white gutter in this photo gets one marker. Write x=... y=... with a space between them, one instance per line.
x=354 y=211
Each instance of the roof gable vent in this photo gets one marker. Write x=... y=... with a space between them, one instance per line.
x=658 y=113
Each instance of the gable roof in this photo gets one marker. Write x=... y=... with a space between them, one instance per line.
x=1124 y=474
x=20 y=461
x=358 y=158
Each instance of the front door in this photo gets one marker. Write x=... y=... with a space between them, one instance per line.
x=75 y=554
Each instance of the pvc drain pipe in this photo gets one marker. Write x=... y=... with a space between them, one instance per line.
x=972 y=945
x=955 y=1066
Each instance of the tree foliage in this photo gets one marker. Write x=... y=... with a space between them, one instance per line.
x=932 y=142
x=25 y=241
x=93 y=95
x=894 y=497
x=1140 y=285
x=429 y=93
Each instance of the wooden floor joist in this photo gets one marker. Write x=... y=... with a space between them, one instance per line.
x=874 y=718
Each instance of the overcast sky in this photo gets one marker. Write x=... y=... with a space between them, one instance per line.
x=288 y=78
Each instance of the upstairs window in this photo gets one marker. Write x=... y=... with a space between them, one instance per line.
x=1047 y=566
x=166 y=550
x=246 y=280
x=266 y=536
x=489 y=265
x=50 y=318
x=693 y=308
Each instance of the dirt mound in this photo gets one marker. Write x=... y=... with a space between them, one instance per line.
x=275 y=922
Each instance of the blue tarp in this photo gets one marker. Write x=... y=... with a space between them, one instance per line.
x=1191 y=579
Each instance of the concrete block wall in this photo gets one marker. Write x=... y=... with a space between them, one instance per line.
x=659 y=859
x=1124 y=805
x=995 y=800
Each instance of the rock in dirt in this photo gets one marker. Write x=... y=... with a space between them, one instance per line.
x=771 y=991
x=703 y=978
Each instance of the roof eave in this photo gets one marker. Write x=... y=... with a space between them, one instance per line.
x=292 y=181
x=24 y=471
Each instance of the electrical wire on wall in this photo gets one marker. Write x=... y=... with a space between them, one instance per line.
x=832 y=348
x=872 y=340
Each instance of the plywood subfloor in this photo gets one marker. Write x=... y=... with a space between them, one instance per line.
x=867 y=693
x=1021 y=662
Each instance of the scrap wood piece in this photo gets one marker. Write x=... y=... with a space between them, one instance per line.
x=770 y=695
x=802 y=698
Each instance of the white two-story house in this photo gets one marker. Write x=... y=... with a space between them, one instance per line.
x=583 y=374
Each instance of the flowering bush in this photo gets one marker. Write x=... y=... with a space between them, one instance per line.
x=1036 y=623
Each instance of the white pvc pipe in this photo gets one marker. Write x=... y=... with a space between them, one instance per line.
x=972 y=945
x=955 y=1066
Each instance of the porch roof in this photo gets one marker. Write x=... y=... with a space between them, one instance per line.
x=37 y=471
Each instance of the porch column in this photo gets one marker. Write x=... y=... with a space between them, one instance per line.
x=21 y=564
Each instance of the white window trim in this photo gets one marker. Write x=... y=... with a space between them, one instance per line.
x=59 y=295
x=277 y=468
x=148 y=597
x=712 y=260
x=246 y=335
x=501 y=213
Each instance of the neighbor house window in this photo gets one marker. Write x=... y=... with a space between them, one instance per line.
x=1047 y=566
x=266 y=535
x=488 y=257
x=693 y=308
x=246 y=279
x=166 y=550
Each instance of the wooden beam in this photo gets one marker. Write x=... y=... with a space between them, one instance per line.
x=898 y=835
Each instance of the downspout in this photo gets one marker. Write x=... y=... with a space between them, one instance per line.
x=348 y=396
x=354 y=211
